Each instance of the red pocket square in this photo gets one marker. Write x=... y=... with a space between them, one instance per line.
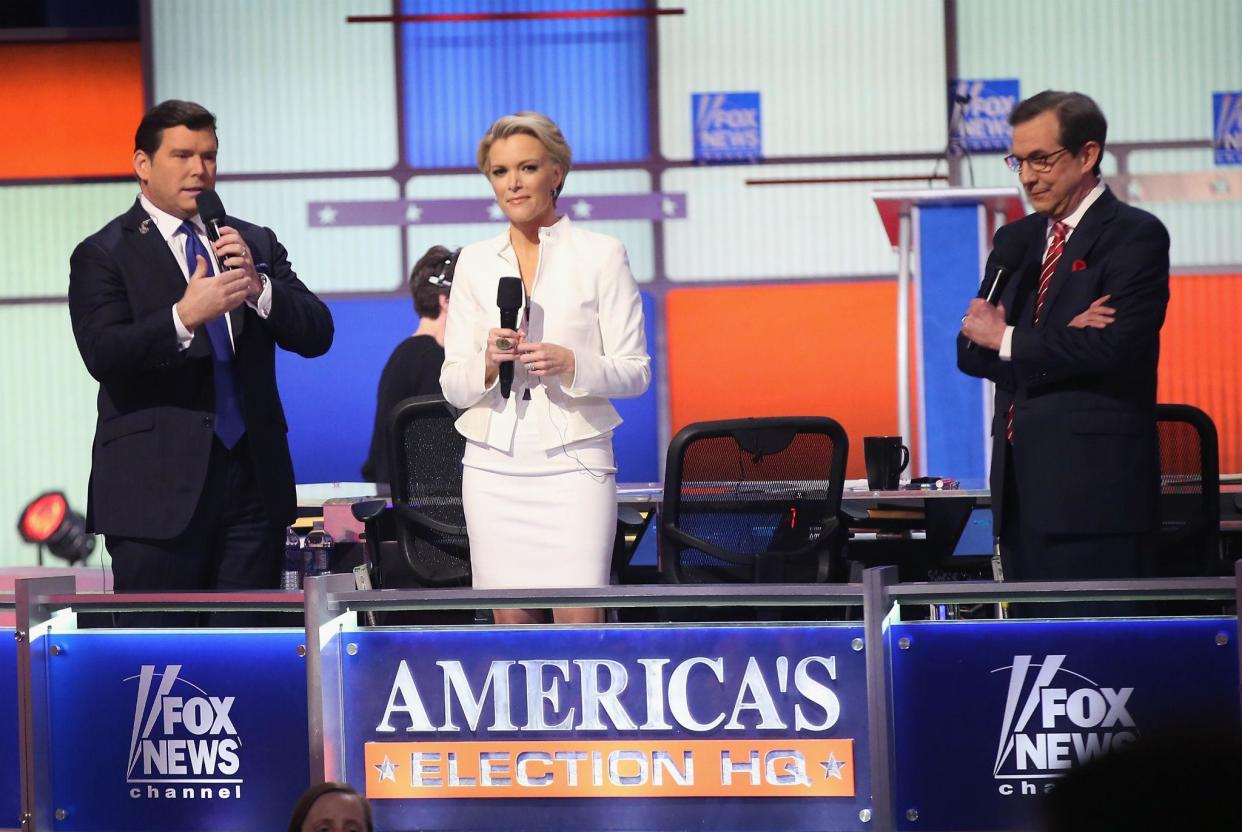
x=1079 y=265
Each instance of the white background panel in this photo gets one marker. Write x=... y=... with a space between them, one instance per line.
x=735 y=231
x=1151 y=65
x=1202 y=233
x=326 y=259
x=48 y=418
x=42 y=225
x=636 y=234
x=846 y=77
x=293 y=86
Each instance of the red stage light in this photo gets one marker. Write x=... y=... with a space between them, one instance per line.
x=43 y=517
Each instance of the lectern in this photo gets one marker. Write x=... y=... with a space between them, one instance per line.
x=942 y=237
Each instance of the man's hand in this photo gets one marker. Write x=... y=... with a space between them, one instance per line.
x=233 y=253
x=206 y=297
x=1095 y=316
x=984 y=324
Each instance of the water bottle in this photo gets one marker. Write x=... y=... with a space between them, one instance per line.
x=317 y=551
x=291 y=572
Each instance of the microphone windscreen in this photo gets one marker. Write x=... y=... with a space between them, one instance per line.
x=1010 y=254
x=509 y=293
x=210 y=208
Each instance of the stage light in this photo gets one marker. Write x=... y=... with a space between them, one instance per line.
x=48 y=521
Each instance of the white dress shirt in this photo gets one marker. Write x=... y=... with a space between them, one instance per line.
x=1072 y=221
x=170 y=229
x=584 y=298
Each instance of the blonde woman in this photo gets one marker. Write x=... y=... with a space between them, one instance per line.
x=539 y=481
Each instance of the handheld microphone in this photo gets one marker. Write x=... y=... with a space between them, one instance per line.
x=1007 y=260
x=211 y=209
x=509 y=296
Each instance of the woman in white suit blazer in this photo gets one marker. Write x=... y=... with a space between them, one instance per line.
x=539 y=486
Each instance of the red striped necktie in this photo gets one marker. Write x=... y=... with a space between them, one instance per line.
x=1060 y=231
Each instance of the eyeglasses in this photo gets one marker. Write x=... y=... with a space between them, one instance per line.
x=1039 y=164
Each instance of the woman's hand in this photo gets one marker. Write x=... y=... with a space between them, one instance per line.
x=502 y=346
x=546 y=359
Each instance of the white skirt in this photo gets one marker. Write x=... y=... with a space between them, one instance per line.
x=540 y=519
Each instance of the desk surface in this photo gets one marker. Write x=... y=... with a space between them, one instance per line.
x=855 y=491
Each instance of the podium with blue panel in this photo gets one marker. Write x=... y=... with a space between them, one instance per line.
x=942 y=238
x=875 y=725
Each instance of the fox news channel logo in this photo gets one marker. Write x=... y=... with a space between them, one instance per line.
x=1056 y=718
x=183 y=745
x=727 y=126
x=979 y=113
x=1227 y=127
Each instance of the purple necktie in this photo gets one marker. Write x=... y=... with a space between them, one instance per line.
x=230 y=425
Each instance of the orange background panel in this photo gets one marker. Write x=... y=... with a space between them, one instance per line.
x=1199 y=358
x=69 y=109
x=786 y=350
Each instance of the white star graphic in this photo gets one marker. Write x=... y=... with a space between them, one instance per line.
x=327 y=215
x=387 y=770
x=582 y=209
x=413 y=213
x=832 y=767
x=669 y=206
x=494 y=212
x=1220 y=186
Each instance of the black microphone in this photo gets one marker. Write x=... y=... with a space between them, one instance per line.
x=509 y=296
x=1007 y=259
x=211 y=209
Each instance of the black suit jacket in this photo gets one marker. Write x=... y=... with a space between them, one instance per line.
x=1085 y=451
x=156 y=401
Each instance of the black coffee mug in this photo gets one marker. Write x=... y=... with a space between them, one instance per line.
x=886 y=458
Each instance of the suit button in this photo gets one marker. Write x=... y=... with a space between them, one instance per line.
x=206 y=421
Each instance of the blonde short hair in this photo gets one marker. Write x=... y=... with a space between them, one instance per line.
x=529 y=123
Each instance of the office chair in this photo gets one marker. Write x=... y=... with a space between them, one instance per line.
x=1189 y=540
x=754 y=500
x=424 y=461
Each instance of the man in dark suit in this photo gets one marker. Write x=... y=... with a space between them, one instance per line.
x=1072 y=346
x=191 y=480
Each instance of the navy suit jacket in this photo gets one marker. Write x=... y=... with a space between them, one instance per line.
x=1085 y=449
x=156 y=402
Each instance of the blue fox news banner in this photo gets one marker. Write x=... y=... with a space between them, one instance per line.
x=10 y=761
x=988 y=715
x=173 y=731
x=652 y=728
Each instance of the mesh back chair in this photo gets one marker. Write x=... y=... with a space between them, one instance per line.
x=1189 y=540
x=425 y=452
x=754 y=501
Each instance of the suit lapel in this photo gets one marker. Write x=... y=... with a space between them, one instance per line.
x=1022 y=285
x=1080 y=243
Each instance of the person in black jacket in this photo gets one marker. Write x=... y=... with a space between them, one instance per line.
x=191 y=479
x=1072 y=346
x=413 y=369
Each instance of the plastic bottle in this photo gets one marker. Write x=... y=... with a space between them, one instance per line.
x=317 y=551
x=291 y=572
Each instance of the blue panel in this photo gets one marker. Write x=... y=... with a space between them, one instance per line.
x=531 y=691
x=636 y=444
x=179 y=731
x=588 y=75
x=987 y=715
x=10 y=762
x=949 y=274
x=330 y=401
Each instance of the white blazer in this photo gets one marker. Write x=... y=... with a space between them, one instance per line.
x=585 y=299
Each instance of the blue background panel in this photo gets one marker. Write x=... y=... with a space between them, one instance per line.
x=588 y=75
x=330 y=401
x=10 y=762
x=949 y=277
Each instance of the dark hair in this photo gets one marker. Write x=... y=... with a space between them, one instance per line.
x=431 y=277
x=302 y=808
x=1081 y=119
x=171 y=113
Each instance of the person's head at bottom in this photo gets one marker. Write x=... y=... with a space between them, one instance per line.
x=331 y=807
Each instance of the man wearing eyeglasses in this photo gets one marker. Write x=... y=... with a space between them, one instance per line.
x=1071 y=339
